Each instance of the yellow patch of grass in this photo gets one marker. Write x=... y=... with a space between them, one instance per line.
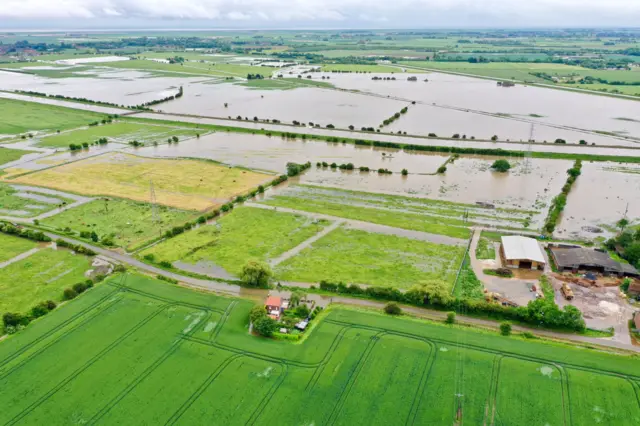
x=185 y=184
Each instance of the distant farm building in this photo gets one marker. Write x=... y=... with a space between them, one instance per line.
x=412 y=78
x=506 y=84
x=576 y=259
x=521 y=252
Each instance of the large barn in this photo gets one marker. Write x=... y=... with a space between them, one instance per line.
x=581 y=259
x=521 y=252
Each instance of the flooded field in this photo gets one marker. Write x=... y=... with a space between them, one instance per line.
x=273 y=153
x=556 y=107
x=599 y=198
x=122 y=87
x=632 y=150
x=445 y=122
x=322 y=106
x=468 y=180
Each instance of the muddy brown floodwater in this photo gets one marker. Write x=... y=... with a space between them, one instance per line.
x=601 y=195
x=557 y=107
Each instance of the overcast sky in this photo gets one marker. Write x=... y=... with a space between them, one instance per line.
x=69 y=14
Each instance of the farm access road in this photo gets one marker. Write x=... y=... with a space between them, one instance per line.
x=231 y=289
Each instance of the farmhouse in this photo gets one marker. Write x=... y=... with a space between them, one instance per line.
x=273 y=305
x=580 y=259
x=521 y=252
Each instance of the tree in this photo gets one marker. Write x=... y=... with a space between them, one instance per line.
x=632 y=253
x=392 y=308
x=265 y=326
x=405 y=172
x=302 y=311
x=256 y=274
x=451 y=318
x=494 y=138
x=505 y=328
x=94 y=236
x=622 y=223
x=257 y=312
x=296 y=297
x=501 y=166
x=442 y=169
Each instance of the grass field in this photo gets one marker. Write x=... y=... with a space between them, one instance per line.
x=42 y=276
x=129 y=223
x=13 y=246
x=17 y=203
x=121 y=132
x=8 y=155
x=184 y=184
x=485 y=249
x=20 y=117
x=362 y=68
x=354 y=256
x=246 y=233
x=412 y=213
x=284 y=83
x=166 y=355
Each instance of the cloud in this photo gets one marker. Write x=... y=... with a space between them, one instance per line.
x=292 y=13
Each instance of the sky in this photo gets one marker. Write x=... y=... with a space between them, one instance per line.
x=299 y=14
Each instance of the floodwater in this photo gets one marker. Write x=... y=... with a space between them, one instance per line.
x=321 y=106
x=122 y=87
x=558 y=107
x=539 y=147
x=273 y=153
x=602 y=195
x=468 y=180
x=425 y=119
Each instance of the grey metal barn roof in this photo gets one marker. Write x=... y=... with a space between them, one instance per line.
x=516 y=247
x=577 y=258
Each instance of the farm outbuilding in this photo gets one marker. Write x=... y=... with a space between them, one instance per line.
x=581 y=259
x=521 y=252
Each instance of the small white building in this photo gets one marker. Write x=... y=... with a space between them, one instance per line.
x=521 y=252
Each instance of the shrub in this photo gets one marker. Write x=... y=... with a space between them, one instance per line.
x=42 y=308
x=392 y=308
x=442 y=169
x=11 y=319
x=501 y=166
x=265 y=326
x=166 y=264
x=167 y=279
x=302 y=311
x=405 y=172
x=150 y=257
x=79 y=288
x=451 y=318
x=528 y=335
x=505 y=328
x=69 y=294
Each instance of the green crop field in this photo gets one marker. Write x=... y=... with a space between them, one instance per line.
x=39 y=277
x=19 y=117
x=8 y=155
x=359 y=257
x=13 y=246
x=129 y=223
x=121 y=132
x=244 y=234
x=362 y=68
x=167 y=355
x=14 y=203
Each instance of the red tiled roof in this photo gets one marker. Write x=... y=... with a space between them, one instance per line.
x=273 y=301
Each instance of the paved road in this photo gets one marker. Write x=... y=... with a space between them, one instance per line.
x=216 y=286
x=438 y=315
x=235 y=290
